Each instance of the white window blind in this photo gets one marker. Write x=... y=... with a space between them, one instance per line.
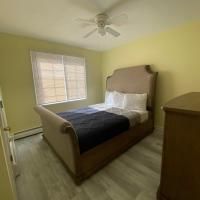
x=58 y=78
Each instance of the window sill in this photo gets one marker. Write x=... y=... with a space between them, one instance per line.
x=70 y=101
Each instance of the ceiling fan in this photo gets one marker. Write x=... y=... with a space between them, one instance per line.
x=102 y=22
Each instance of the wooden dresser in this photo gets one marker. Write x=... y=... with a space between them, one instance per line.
x=180 y=175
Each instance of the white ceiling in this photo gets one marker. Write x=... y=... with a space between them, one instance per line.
x=55 y=20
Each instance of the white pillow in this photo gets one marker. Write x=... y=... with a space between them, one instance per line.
x=135 y=102
x=109 y=98
x=118 y=99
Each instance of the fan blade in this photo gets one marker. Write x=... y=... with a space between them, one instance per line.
x=112 y=32
x=119 y=20
x=86 y=21
x=90 y=33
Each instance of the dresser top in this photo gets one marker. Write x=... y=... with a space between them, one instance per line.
x=188 y=103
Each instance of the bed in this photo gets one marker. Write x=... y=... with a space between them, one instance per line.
x=83 y=156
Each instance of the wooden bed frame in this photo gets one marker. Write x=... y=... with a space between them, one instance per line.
x=62 y=138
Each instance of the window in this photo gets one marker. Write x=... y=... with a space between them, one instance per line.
x=58 y=78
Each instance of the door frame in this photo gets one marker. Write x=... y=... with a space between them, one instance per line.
x=4 y=134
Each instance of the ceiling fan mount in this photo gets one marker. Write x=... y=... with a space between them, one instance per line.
x=101 y=20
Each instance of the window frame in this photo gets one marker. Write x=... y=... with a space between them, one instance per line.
x=35 y=76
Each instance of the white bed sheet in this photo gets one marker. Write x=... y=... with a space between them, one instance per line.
x=127 y=113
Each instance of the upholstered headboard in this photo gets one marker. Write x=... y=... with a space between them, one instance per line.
x=138 y=79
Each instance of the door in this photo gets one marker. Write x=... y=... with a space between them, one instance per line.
x=7 y=143
x=8 y=138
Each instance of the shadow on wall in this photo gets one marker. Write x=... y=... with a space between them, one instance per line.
x=165 y=90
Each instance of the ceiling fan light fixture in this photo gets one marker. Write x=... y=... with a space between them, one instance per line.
x=101 y=31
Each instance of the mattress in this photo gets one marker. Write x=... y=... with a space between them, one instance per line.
x=143 y=115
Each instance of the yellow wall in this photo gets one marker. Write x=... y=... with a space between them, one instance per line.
x=17 y=82
x=175 y=54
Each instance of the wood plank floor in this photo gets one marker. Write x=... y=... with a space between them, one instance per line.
x=132 y=176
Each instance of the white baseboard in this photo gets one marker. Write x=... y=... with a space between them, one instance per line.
x=27 y=133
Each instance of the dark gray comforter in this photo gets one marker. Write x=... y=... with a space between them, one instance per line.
x=94 y=127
